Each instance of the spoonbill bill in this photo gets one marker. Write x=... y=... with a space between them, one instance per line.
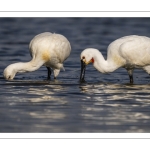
x=129 y=52
x=47 y=49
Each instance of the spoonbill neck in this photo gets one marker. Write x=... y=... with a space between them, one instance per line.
x=102 y=65
x=26 y=66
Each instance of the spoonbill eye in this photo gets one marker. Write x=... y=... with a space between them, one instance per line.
x=83 y=57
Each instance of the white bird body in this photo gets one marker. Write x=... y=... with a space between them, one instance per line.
x=128 y=52
x=47 y=49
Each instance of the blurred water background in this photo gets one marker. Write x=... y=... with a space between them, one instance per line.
x=104 y=103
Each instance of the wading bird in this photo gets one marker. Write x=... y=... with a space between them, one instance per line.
x=129 y=52
x=47 y=49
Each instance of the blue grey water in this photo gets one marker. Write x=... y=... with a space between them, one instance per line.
x=104 y=103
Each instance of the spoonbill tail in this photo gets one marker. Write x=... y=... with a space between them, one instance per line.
x=47 y=49
x=129 y=52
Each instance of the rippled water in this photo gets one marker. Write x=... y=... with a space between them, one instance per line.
x=104 y=103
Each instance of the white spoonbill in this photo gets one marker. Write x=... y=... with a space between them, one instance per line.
x=129 y=52
x=47 y=49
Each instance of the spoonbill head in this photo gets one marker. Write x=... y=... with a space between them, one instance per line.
x=10 y=72
x=129 y=52
x=46 y=49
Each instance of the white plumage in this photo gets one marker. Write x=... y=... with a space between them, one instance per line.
x=129 y=52
x=47 y=49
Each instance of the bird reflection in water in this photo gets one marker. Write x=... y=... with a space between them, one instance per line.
x=46 y=94
x=116 y=104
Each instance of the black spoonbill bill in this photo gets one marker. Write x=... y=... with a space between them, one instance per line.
x=47 y=49
x=129 y=52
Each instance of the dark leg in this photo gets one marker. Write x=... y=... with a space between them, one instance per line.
x=131 y=78
x=130 y=72
x=49 y=72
